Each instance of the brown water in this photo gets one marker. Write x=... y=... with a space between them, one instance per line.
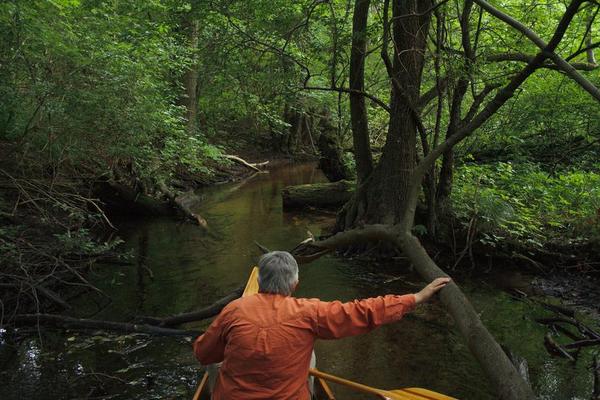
x=191 y=268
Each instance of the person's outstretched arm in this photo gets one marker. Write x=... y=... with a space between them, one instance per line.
x=336 y=319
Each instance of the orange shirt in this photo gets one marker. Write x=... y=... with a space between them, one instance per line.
x=265 y=340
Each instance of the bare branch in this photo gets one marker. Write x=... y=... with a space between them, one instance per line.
x=522 y=57
x=369 y=96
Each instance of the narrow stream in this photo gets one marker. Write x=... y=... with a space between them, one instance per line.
x=178 y=267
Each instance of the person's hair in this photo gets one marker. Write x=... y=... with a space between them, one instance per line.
x=277 y=273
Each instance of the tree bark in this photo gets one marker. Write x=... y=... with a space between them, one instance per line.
x=182 y=203
x=509 y=384
x=331 y=161
x=591 y=57
x=447 y=170
x=189 y=99
x=252 y=166
x=358 y=109
x=120 y=199
x=381 y=196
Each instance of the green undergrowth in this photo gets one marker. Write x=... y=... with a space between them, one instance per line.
x=525 y=204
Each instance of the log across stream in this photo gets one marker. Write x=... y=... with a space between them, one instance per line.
x=179 y=267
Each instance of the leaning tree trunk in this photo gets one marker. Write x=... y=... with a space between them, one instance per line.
x=505 y=378
x=381 y=197
x=502 y=374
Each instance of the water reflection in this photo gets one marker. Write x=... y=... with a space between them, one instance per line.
x=179 y=267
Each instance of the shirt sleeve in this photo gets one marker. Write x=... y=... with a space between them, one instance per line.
x=209 y=348
x=336 y=319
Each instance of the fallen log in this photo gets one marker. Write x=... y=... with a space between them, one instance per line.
x=183 y=203
x=554 y=348
x=582 y=343
x=569 y=312
x=253 y=166
x=319 y=195
x=206 y=312
x=584 y=329
x=64 y=322
x=121 y=199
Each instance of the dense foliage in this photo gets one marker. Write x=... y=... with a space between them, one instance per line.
x=96 y=83
x=523 y=205
x=100 y=87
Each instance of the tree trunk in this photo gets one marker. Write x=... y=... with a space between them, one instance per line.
x=190 y=76
x=591 y=57
x=506 y=379
x=447 y=170
x=358 y=109
x=331 y=161
x=382 y=196
x=494 y=361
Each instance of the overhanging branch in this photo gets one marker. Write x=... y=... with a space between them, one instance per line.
x=522 y=57
x=547 y=49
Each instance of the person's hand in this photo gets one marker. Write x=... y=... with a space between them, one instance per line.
x=431 y=289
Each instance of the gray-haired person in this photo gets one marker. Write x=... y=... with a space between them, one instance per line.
x=265 y=341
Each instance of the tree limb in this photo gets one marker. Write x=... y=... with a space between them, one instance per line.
x=547 y=48
x=522 y=57
x=204 y=313
x=65 y=322
x=507 y=380
x=369 y=96
x=245 y=163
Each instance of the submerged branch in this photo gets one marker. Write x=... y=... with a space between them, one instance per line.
x=65 y=322
x=204 y=313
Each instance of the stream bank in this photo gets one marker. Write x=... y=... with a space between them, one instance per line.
x=191 y=268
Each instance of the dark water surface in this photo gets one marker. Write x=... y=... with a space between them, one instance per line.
x=178 y=267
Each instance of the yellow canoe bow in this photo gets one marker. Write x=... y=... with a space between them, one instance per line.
x=322 y=377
